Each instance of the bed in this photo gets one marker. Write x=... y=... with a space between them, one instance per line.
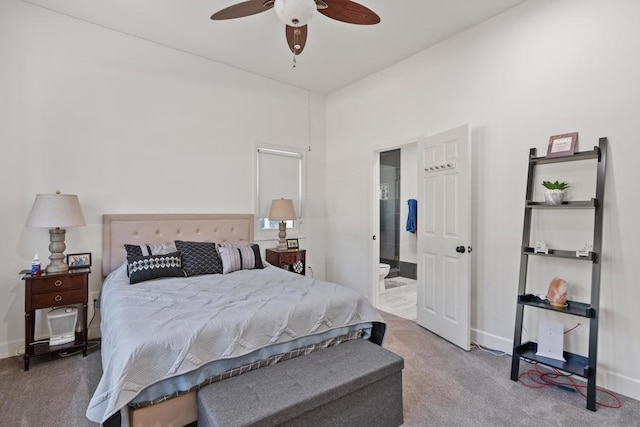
x=163 y=339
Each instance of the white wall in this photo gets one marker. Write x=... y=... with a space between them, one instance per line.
x=131 y=127
x=540 y=69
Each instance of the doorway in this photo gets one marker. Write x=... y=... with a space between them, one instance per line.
x=397 y=256
x=441 y=167
x=390 y=179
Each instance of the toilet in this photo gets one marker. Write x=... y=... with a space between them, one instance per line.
x=383 y=271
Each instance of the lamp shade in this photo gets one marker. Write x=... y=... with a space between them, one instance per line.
x=282 y=210
x=295 y=13
x=56 y=211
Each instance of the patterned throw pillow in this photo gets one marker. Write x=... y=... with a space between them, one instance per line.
x=239 y=256
x=149 y=267
x=144 y=250
x=199 y=258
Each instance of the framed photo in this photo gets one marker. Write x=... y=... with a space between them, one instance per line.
x=292 y=244
x=562 y=145
x=79 y=260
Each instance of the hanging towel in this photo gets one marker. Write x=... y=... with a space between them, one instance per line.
x=412 y=218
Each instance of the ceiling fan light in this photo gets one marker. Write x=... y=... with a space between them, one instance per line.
x=295 y=13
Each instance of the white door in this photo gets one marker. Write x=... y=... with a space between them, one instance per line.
x=444 y=230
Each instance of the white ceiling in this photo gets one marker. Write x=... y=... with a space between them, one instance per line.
x=336 y=54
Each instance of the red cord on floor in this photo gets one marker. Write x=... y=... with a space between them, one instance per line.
x=541 y=379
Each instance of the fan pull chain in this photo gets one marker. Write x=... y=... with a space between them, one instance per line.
x=296 y=46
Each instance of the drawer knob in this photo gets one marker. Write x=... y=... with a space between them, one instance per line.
x=58 y=298
x=58 y=283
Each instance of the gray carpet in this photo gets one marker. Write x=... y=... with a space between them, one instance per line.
x=443 y=386
x=447 y=386
x=54 y=392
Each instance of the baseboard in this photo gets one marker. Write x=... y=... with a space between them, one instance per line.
x=11 y=348
x=491 y=341
x=609 y=380
x=618 y=383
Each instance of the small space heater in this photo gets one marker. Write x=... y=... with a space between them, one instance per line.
x=62 y=325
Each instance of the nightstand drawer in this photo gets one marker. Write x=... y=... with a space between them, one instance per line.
x=57 y=284
x=288 y=259
x=291 y=258
x=56 y=299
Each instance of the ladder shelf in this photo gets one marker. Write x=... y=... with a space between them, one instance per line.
x=584 y=366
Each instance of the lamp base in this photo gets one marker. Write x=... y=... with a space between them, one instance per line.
x=57 y=247
x=282 y=235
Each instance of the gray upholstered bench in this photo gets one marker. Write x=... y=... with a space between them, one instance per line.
x=356 y=383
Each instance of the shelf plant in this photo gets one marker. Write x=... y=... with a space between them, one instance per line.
x=554 y=195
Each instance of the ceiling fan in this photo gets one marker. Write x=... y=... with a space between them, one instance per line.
x=297 y=13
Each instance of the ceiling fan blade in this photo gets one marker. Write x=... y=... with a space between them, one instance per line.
x=350 y=12
x=296 y=38
x=246 y=8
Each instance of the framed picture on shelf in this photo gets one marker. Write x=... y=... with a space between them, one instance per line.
x=79 y=260
x=292 y=244
x=562 y=145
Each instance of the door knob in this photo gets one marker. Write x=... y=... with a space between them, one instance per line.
x=460 y=249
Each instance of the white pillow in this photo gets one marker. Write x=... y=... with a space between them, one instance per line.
x=239 y=256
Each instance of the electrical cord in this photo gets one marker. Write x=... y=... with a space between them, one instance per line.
x=569 y=330
x=540 y=379
x=502 y=353
x=92 y=315
x=488 y=350
x=94 y=342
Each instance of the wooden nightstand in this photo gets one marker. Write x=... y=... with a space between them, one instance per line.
x=50 y=291
x=288 y=259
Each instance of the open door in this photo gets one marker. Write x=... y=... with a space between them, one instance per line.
x=444 y=230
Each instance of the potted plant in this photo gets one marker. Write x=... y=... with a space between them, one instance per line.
x=555 y=192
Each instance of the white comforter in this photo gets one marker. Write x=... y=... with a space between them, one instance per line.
x=167 y=327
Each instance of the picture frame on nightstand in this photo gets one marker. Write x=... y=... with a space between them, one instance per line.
x=292 y=244
x=81 y=260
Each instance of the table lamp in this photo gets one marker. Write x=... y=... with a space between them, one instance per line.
x=56 y=212
x=282 y=210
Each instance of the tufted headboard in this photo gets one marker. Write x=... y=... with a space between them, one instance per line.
x=140 y=229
